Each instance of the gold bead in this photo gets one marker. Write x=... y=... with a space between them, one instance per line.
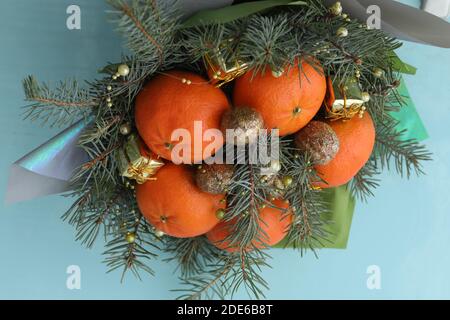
x=377 y=72
x=220 y=214
x=279 y=184
x=125 y=129
x=287 y=181
x=108 y=99
x=183 y=80
x=109 y=104
x=130 y=237
x=275 y=166
x=342 y=32
x=109 y=88
x=159 y=233
x=188 y=82
x=365 y=96
x=363 y=108
x=344 y=16
x=336 y=9
x=114 y=77
x=123 y=70
x=277 y=73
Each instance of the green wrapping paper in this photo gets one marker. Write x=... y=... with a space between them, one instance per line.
x=410 y=121
x=342 y=207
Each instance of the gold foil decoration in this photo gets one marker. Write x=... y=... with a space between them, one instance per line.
x=223 y=64
x=344 y=100
x=137 y=162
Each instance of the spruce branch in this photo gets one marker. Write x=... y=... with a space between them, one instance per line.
x=225 y=277
x=308 y=203
x=407 y=155
x=267 y=42
x=247 y=193
x=150 y=29
x=365 y=182
x=132 y=255
x=202 y=40
x=58 y=106
x=192 y=254
x=209 y=285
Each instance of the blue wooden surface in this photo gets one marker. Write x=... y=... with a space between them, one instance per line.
x=404 y=231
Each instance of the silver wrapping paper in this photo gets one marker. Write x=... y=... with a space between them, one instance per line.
x=47 y=169
x=402 y=21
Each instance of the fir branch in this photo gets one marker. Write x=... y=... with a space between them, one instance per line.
x=58 y=106
x=150 y=29
x=247 y=193
x=267 y=42
x=202 y=40
x=101 y=169
x=209 y=285
x=132 y=256
x=244 y=200
x=406 y=155
x=309 y=205
x=192 y=254
x=365 y=182
x=89 y=213
x=225 y=277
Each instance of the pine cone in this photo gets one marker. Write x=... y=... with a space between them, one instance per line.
x=246 y=121
x=214 y=178
x=319 y=140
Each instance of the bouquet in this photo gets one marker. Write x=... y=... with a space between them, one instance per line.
x=221 y=135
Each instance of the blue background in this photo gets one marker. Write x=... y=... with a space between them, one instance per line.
x=404 y=230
